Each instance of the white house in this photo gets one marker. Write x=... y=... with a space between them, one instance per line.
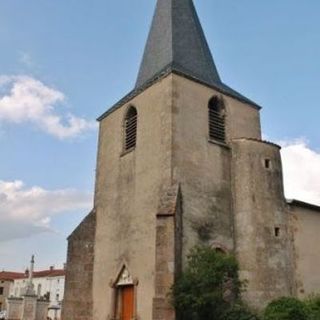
x=47 y=283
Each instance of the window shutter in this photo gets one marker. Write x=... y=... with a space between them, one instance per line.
x=217 y=129
x=130 y=129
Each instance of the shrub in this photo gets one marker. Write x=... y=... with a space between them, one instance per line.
x=199 y=293
x=240 y=312
x=286 y=309
x=313 y=307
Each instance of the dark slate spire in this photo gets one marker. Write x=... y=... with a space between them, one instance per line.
x=176 y=40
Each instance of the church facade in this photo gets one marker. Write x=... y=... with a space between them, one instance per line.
x=181 y=162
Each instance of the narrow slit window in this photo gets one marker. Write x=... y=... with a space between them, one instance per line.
x=217 y=130
x=130 y=128
x=267 y=163
x=277 y=232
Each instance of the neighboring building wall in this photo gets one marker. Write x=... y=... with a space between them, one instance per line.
x=52 y=286
x=262 y=237
x=78 y=303
x=17 y=287
x=128 y=191
x=4 y=293
x=6 y=284
x=305 y=224
x=48 y=286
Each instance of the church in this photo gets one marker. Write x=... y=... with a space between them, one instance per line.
x=181 y=162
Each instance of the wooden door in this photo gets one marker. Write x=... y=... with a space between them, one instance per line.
x=127 y=304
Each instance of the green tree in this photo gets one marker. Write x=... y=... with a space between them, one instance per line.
x=209 y=287
x=286 y=309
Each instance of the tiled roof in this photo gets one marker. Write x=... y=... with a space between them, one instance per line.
x=10 y=276
x=49 y=273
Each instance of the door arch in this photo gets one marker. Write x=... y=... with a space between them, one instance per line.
x=124 y=296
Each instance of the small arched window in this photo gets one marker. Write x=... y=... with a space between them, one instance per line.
x=130 y=129
x=217 y=129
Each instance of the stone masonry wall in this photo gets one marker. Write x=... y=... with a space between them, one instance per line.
x=78 y=301
x=305 y=226
x=202 y=167
x=168 y=252
x=262 y=238
x=128 y=190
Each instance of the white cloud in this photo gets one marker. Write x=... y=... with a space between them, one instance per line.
x=24 y=99
x=301 y=169
x=25 y=211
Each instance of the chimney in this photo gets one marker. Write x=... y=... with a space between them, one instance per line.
x=51 y=268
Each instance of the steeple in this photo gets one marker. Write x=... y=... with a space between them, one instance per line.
x=177 y=43
x=176 y=40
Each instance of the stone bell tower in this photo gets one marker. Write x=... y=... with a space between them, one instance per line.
x=176 y=160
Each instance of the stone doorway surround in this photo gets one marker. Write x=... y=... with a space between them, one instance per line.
x=123 y=281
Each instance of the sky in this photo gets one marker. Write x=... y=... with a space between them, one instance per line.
x=65 y=62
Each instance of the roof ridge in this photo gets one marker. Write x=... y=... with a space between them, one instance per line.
x=222 y=88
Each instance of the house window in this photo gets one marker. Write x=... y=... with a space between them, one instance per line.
x=1 y=291
x=130 y=129
x=47 y=296
x=217 y=120
x=277 y=232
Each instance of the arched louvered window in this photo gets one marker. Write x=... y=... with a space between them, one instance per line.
x=217 y=130
x=130 y=129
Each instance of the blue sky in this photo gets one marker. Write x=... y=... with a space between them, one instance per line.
x=77 y=58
